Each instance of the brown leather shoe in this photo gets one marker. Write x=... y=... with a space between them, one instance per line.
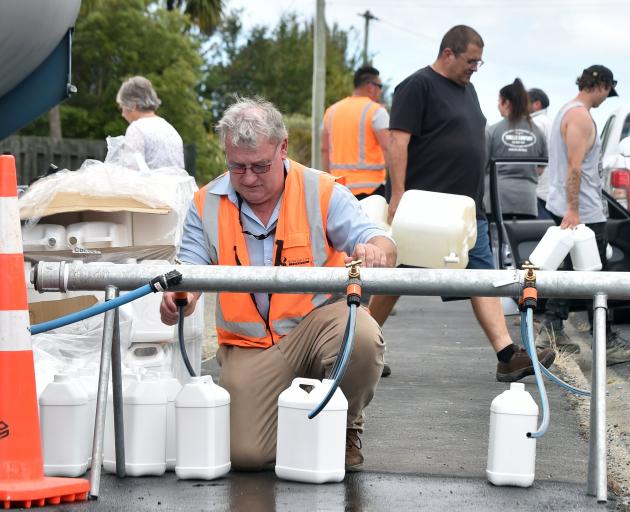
x=354 y=457
x=521 y=365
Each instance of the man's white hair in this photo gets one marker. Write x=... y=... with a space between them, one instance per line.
x=249 y=118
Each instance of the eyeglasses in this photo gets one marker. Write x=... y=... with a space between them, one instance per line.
x=255 y=168
x=380 y=86
x=475 y=62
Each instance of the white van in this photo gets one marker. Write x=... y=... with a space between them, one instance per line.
x=616 y=154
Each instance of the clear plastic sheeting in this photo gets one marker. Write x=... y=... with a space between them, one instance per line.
x=74 y=346
x=122 y=183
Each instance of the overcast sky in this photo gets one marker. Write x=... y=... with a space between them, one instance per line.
x=546 y=43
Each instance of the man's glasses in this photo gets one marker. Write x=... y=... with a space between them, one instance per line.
x=380 y=86
x=475 y=63
x=255 y=168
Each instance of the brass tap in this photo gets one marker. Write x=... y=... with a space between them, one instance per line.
x=354 y=267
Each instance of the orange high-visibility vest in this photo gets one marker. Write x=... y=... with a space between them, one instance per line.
x=300 y=240
x=353 y=149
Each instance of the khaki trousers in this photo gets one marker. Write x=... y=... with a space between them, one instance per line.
x=256 y=377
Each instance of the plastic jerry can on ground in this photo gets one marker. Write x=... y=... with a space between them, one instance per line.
x=552 y=248
x=311 y=450
x=145 y=426
x=511 y=454
x=88 y=377
x=109 y=441
x=64 y=417
x=434 y=230
x=584 y=254
x=171 y=388
x=202 y=411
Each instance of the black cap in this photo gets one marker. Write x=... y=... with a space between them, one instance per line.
x=538 y=95
x=602 y=74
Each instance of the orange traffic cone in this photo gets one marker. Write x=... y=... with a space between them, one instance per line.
x=22 y=480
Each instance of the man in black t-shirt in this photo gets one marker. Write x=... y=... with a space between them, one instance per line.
x=437 y=143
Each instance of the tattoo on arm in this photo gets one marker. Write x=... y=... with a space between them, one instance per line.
x=573 y=188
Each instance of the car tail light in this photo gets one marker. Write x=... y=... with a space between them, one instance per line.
x=620 y=185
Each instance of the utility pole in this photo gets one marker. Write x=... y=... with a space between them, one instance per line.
x=319 y=84
x=368 y=17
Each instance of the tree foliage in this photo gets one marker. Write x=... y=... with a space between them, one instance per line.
x=276 y=64
x=121 y=38
x=195 y=77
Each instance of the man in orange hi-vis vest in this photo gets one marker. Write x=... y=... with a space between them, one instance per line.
x=267 y=210
x=355 y=135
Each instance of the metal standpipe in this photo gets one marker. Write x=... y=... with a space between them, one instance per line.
x=110 y=338
x=597 y=475
x=64 y=276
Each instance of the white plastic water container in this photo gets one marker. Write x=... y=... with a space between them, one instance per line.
x=64 y=414
x=90 y=235
x=171 y=388
x=154 y=357
x=552 y=248
x=202 y=411
x=376 y=209
x=88 y=377
x=314 y=450
x=147 y=324
x=434 y=230
x=584 y=254
x=109 y=438
x=145 y=426
x=44 y=237
x=511 y=454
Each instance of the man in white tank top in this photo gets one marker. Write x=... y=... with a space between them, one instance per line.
x=575 y=193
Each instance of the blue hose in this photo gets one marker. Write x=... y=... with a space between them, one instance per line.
x=92 y=311
x=341 y=364
x=529 y=344
x=551 y=376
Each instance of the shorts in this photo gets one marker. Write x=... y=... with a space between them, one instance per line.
x=480 y=256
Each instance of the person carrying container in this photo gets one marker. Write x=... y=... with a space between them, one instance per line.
x=354 y=136
x=575 y=197
x=437 y=143
x=267 y=210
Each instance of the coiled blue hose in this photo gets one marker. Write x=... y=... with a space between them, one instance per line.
x=92 y=311
x=341 y=363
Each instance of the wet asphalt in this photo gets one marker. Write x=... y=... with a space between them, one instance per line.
x=425 y=443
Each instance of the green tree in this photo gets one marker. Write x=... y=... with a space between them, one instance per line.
x=276 y=64
x=206 y=14
x=121 y=38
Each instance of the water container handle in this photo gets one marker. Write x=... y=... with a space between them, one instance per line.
x=159 y=356
x=451 y=258
x=298 y=381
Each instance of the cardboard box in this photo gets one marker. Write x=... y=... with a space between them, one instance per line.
x=45 y=311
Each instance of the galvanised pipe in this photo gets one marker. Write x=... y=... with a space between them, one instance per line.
x=597 y=484
x=63 y=276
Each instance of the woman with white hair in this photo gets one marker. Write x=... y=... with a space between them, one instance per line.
x=148 y=134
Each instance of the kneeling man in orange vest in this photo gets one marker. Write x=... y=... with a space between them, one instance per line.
x=269 y=210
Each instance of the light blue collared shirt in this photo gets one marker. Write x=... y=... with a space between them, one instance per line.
x=347 y=225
